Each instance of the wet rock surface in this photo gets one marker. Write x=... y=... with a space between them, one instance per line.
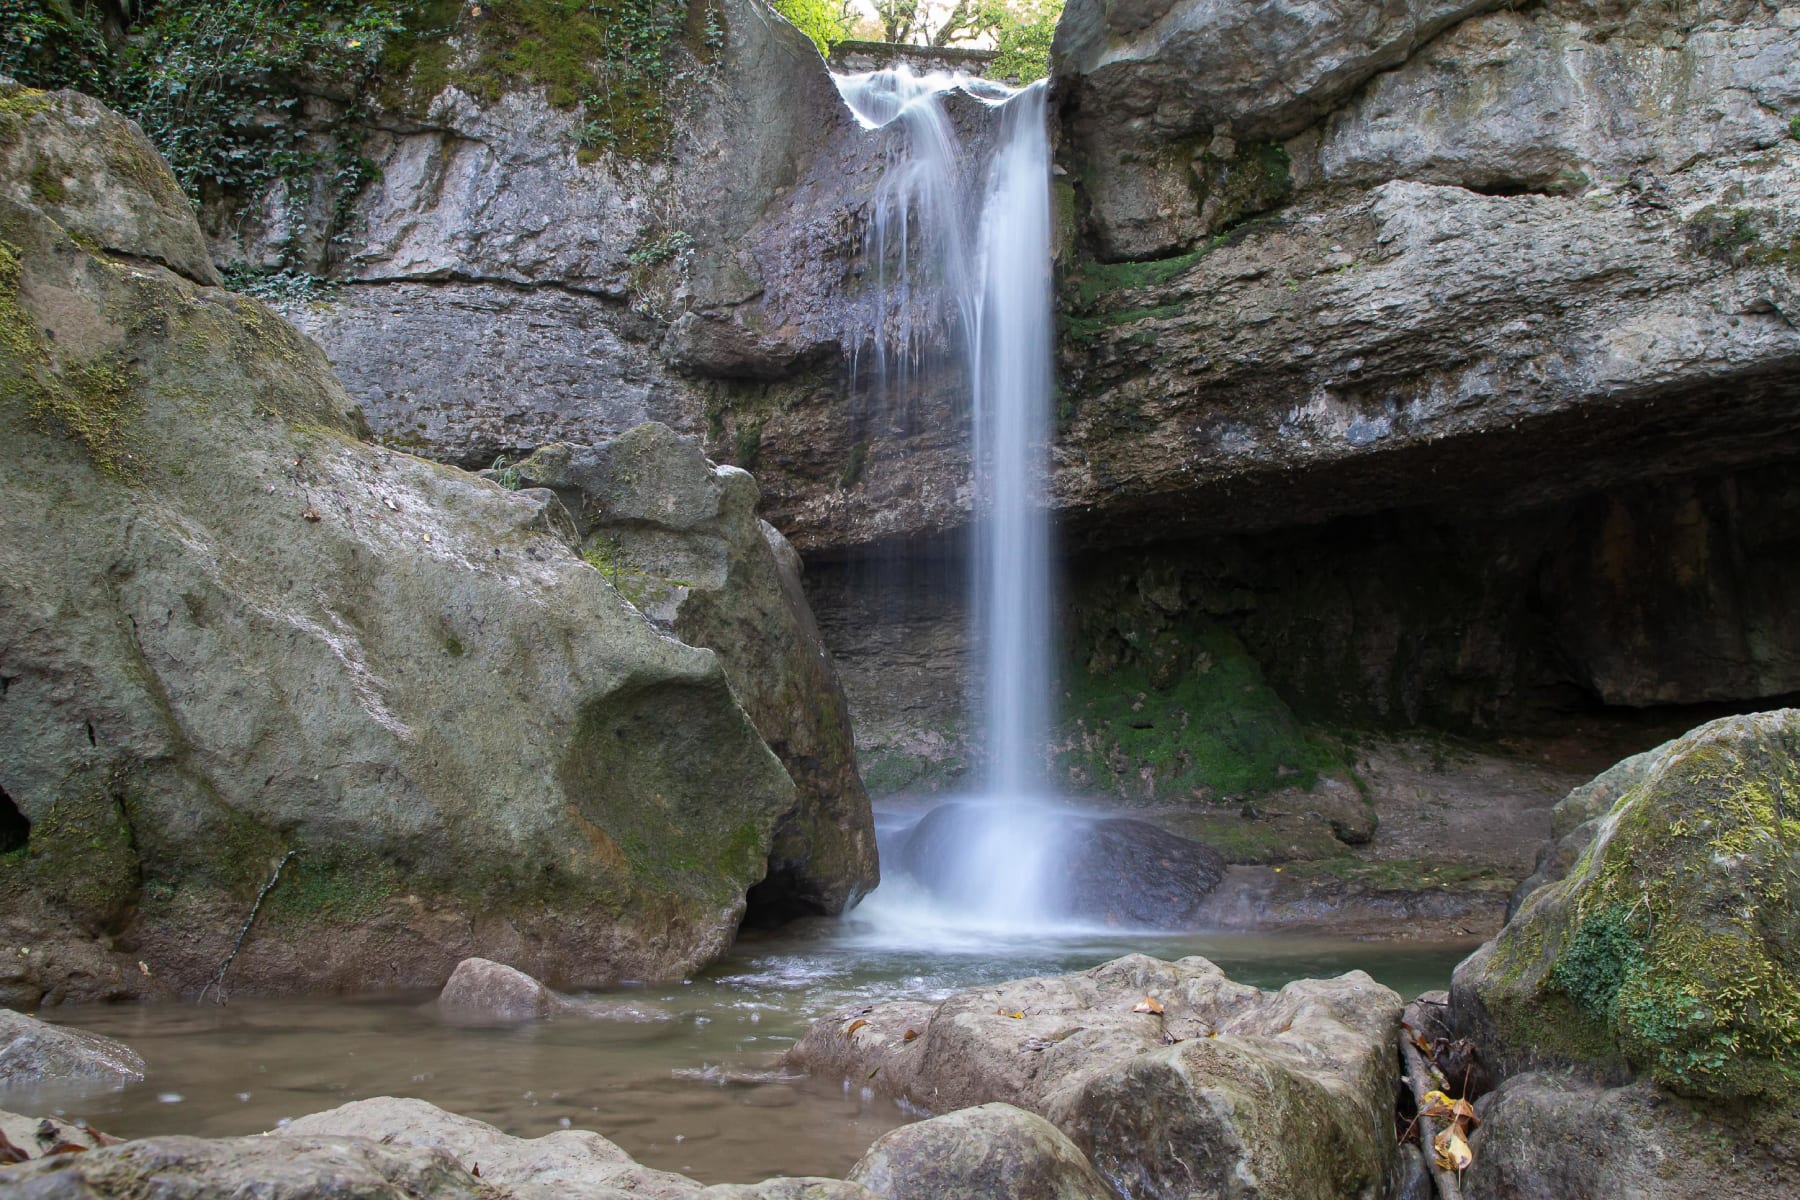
x=32 y=1051
x=1289 y=1092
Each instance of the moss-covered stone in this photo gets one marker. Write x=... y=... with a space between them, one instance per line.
x=1672 y=949
x=1156 y=708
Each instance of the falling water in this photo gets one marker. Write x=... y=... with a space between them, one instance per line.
x=966 y=261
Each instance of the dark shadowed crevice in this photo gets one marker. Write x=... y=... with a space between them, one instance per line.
x=15 y=826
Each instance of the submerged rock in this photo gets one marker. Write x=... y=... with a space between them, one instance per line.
x=1285 y=1093
x=246 y=650
x=976 y=1153
x=480 y=987
x=32 y=1051
x=1108 y=870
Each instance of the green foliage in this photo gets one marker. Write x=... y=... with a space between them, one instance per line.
x=1021 y=32
x=248 y=98
x=213 y=85
x=614 y=60
x=658 y=250
x=823 y=21
x=1794 y=129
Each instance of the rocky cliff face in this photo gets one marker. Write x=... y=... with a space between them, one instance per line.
x=258 y=668
x=1430 y=362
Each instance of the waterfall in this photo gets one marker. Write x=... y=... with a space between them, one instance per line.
x=962 y=258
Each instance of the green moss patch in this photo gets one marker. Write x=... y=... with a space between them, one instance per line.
x=1184 y=712
x=611 y=59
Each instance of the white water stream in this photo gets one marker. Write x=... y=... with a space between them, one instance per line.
x=962 y=256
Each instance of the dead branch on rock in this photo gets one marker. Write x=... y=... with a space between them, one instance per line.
x=218 y=979
x=1423 y=1078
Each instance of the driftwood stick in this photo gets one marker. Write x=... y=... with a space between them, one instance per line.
x=1420 y=1074
x=218 y=979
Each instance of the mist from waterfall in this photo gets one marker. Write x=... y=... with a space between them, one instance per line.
x=962 y=258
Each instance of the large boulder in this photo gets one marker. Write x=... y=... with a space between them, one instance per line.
x=32 y=1051
x=246 y=650
x=976 y=1153
x=1550 y=1136
x=1670 y=951
x=1285 y=1093
x=569 y=1162
x=379 y=1149
x=1645 y=997
x=680 y=537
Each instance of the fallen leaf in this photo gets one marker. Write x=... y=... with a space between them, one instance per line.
x=1148 y=1005
x=872 y=1074
x=311 y=514
x=854 y=1026
x=475 y=1170
x=909 y=1035
x=1464 y=1112
x=1451 y=1151
x=66 y=1148
x=10 y=1153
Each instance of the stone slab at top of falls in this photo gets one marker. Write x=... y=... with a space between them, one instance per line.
x=232 y=629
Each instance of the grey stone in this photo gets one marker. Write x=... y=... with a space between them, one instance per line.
x=976 y=1153
x=95 y=173
x=274 y=637
x=680 y=537
x=187 y=1168
x=1289 y=1092
x=569 y=1162
x=33 y=1051
x=1549 y=1135
x=482 y=988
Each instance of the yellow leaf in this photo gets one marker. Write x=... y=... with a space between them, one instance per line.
x=1018 y=1016
x=1148 y=1005
x=1451 y=1151
x=1434 y=1099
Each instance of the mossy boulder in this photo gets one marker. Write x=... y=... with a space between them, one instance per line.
x=679 y=536
x=243 y=645
x=1671 y=951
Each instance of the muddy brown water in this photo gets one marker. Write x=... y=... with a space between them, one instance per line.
x=684 y=1076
